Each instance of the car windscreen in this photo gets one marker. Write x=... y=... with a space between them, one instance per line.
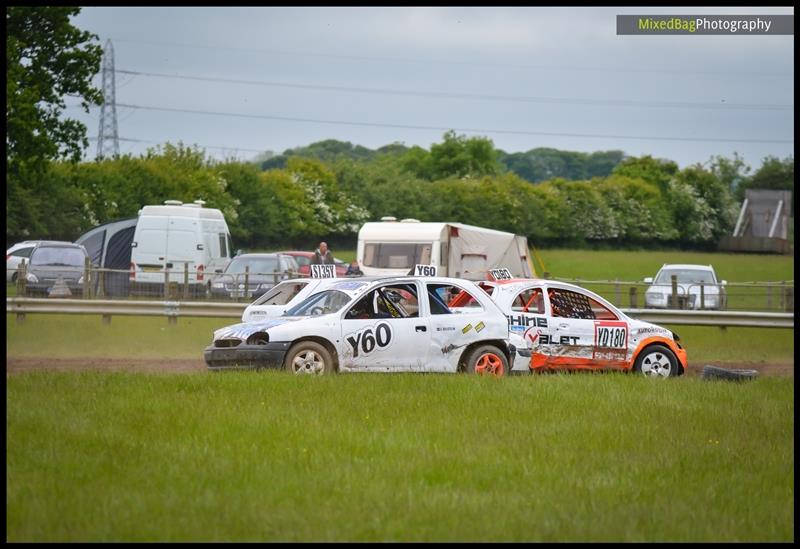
x=322 y=303
x=685 y=275
x=266 y=265
x=58 y=256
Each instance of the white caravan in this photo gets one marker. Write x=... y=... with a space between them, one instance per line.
x=391 y=247
x=176 y=237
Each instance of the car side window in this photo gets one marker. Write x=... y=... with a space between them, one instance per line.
x=23 y=252
x=568 y=304
x=390 y=301
x=530 y=300
x=601 y=312
x=443 y=298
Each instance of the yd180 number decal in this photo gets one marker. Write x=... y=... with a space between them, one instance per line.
x=368 y=340
x=611 y=337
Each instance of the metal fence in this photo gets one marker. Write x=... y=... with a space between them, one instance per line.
x=167 y=284
x=733 y=296
x=186 y=285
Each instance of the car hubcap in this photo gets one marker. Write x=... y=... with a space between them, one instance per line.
x=490 y=364
x=656 y=364
x=308 y=362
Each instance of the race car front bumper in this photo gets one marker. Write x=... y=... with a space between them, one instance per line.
x=243 y=356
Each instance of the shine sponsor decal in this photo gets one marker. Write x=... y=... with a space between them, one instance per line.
x=524 y=320
x=479 y=326
x=466 y=328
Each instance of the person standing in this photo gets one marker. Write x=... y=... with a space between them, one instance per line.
x=353 y=269
x=322 y=255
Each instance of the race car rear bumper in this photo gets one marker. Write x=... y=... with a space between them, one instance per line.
x=246 y=356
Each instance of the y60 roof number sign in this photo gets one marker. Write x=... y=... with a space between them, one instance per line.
x=323 y=271
x=425 y=270
x=501 y=274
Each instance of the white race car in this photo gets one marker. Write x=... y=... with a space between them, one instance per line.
x=390 y=324
x=555 y=325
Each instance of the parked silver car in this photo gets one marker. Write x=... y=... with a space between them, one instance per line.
x=690 y=280
x=264 y=270
x=53 y=260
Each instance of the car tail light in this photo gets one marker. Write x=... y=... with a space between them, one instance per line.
x=199 y=273
x=8 y=257
x=133 y=271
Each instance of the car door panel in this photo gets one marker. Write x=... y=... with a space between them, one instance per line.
x=385 y=334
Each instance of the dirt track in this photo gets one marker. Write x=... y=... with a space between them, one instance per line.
x=18 y=365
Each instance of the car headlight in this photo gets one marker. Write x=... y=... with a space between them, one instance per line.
x=80 y=280
x=218 y=285
x=654 y=297
x=31 y=278
x=264 y=286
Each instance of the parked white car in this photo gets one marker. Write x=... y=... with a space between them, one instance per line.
x=14 y=256
x=690 y=279
x=391 y=324
x=560 y=326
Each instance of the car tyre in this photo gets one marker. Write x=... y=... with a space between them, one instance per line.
x=657 y=361
x=309 y=357
x=486 y=360
x=715 y=372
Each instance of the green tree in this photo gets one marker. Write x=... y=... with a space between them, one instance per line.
x=657 y=171
x=732 y=172
x=47 y=58
x=456 y=156
x=460 y=156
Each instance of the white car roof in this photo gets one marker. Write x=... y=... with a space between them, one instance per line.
x=687 y=266
x=355 y=285
x=519 y=284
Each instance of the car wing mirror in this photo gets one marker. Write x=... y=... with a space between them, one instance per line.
x=648 y=280
x=724 y=282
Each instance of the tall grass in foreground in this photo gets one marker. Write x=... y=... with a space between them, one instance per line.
x=267 y=456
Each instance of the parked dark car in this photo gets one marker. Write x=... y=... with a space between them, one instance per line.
x=263 y=270
x=53 y=260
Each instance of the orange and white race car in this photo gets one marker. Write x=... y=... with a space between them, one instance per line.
x=555 y=325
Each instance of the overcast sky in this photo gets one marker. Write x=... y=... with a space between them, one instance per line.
x=524 y=77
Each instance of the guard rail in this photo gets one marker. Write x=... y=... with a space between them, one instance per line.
x=174 y=309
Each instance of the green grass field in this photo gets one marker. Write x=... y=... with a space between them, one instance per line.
x=267 y=456
x=635 y=265
x=99 y=456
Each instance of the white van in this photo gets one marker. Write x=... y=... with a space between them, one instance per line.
x=392 y=247
x=175 y=237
